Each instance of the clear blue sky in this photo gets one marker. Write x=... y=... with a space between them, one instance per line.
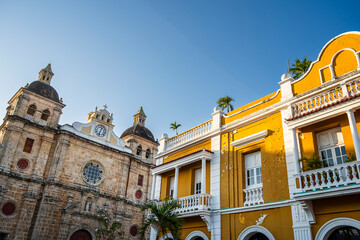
x=174 y=58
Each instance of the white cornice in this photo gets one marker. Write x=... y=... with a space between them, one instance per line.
x=250 y=139
x=258 y=207
x=182 y=162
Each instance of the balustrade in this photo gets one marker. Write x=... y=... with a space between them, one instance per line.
x=253 y=196
x=29 y=117
x=189 y=135
x=325 y=99
x=328 y=177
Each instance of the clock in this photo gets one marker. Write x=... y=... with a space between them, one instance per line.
x=100 y=131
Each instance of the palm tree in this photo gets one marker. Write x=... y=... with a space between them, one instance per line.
x=175 y=126
x=162 y=218
x=225 y=103
x=299 y=68
x=108 y=231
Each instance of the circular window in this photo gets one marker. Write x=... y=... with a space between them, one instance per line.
x=134 y=231
x=8 y=209
x=23 y=164
x=93 y=173
x=138 y=194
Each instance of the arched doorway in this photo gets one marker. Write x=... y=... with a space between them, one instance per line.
x=345 y=233
x=258 y=236
x=339 y=229
x=81 y=235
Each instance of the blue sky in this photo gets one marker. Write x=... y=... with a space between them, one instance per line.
x=174 y=58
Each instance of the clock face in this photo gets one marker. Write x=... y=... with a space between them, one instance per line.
x=100 y=131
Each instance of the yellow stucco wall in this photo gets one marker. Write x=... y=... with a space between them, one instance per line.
x=187 y=151
x=278 y=221
x=232 y=179
x=344 y=62
x=252 y=110
x=331 y=208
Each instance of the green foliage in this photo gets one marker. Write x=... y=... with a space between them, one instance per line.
x=351 y=157
x=299 y=68
x=163 y=218
x=311 y=163
x=108 y=230
x=225 y=103
x=175 y=126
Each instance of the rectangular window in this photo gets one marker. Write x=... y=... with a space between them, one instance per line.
x=171 y=190
x=253 y=171
x=28 y=145
x=197 y=181
x=140 y=180
x=331 y=147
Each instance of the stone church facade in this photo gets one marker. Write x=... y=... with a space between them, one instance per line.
x=56 y=179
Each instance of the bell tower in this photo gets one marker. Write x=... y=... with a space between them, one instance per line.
x=140 y=117
x=46 y=74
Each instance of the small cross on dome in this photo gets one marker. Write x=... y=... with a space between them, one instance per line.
x=105 y=106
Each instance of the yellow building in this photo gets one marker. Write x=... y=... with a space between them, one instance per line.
x=282 y=167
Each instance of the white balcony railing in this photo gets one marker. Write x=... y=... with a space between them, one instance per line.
x=29 y=117
x=189 y=135
x=253 y=196
x=335 y=176
x=338 y=94
x=194 y=203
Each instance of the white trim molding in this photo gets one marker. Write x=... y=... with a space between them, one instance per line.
x=195 y=234
x=250 y=139
x=182 y=162
x=334 y=224
x=252 y=230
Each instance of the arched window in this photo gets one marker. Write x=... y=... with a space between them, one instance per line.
x=31 y=110
x=103 y=117
x=148 y=153
x=45 y=115
x=138 y=150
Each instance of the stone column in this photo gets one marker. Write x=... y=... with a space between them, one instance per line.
x=203 y=175
x=42 y=157
x=176 y=182
x=10 y=145
x=354 y=132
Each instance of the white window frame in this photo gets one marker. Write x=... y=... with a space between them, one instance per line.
x=197 y=181
x=253 y=165
x=335 y=141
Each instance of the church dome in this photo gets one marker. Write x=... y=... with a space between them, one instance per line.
x=44 y=90
x=140 y=131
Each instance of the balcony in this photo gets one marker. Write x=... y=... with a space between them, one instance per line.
x=253 y=196
x=194 y=205
x=331 y=180
x=329 y=96
x=187 y=136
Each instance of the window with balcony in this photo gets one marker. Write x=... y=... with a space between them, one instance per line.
x=171 y=188
x=253 y=179
x=331 y=147
x=197 y=181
